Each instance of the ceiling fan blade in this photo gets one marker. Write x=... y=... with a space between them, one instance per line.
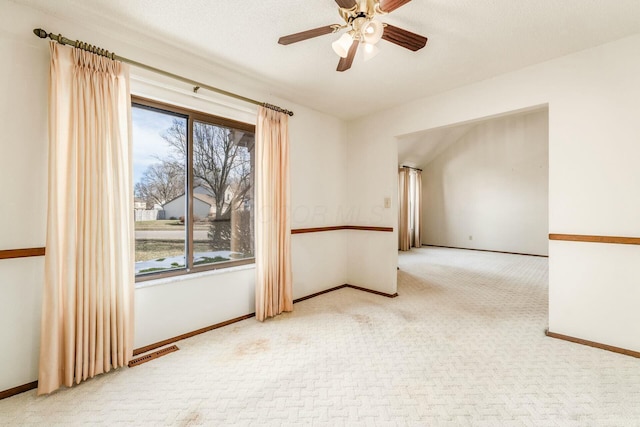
x=346 y=4
x=309 y=34
x=345 y=63
x=391 y=5
x=404 y=38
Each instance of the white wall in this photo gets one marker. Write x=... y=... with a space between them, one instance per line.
x=167 y=308
x=23 y=169
x=371 y=178
x=594 y=106
x=489 y=189
x=318 y=195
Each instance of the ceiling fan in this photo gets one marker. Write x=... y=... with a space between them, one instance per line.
x=362 y=26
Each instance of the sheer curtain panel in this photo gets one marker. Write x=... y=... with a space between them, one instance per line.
x=417 y=210
x=87 y=313
x=404 y=238
x=273 y=228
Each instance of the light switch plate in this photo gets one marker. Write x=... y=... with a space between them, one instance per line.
x=387 y=202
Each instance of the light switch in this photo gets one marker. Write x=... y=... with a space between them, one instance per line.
x=387 y=202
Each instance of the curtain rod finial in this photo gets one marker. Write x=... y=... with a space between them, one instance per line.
x=40 y=33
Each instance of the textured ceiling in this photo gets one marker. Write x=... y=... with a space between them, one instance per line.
x=469 y=40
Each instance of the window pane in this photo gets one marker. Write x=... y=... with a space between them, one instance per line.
x=223 y=194
x=159 y=171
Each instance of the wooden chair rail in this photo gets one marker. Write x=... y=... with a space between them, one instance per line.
x=595 y=239
x=340 y=227
x=21 y=253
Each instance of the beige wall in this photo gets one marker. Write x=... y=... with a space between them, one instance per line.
x=489 y=189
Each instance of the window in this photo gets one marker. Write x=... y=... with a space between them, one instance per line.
x=193 y=187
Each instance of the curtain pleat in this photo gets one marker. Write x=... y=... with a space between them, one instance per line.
x=87 y=314
x=274 y=292
x=404 y=238
x=417 y=210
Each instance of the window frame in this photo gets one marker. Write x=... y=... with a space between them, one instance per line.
x=191 y=116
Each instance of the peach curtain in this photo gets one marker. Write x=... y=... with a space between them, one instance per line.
x=274 y=292
x=87 y=311
x=417 y=210
x=404 y=238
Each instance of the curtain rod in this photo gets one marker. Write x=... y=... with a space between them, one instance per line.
x=196 y=85
x=409 y=167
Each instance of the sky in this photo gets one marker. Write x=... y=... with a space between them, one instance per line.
x=148 y=145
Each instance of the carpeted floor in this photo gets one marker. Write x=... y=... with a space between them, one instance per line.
x=463 y=344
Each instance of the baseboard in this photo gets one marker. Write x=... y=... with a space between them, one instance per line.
x=17 y=390
x=383 y=294
x=30 y=386
x=486 y=250
x=593 y=344
x=297 y=300
x=346 y=285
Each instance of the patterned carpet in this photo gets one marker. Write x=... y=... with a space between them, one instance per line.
x=463 y=344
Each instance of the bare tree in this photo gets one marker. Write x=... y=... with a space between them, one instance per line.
x=222 y=165
x=160 y=183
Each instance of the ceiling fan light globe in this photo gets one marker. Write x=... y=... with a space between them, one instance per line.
x=342 y=45
x=370 y=50
x=372 y=31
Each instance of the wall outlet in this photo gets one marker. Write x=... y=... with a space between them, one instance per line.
x=387 y=202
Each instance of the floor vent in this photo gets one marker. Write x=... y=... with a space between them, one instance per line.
x=147 y=357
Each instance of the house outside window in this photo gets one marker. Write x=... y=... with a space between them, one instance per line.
x=194 y=192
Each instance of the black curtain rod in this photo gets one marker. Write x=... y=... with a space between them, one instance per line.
x=409 y=167
x=196 y=85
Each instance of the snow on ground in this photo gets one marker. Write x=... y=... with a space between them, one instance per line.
x=178 y=261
